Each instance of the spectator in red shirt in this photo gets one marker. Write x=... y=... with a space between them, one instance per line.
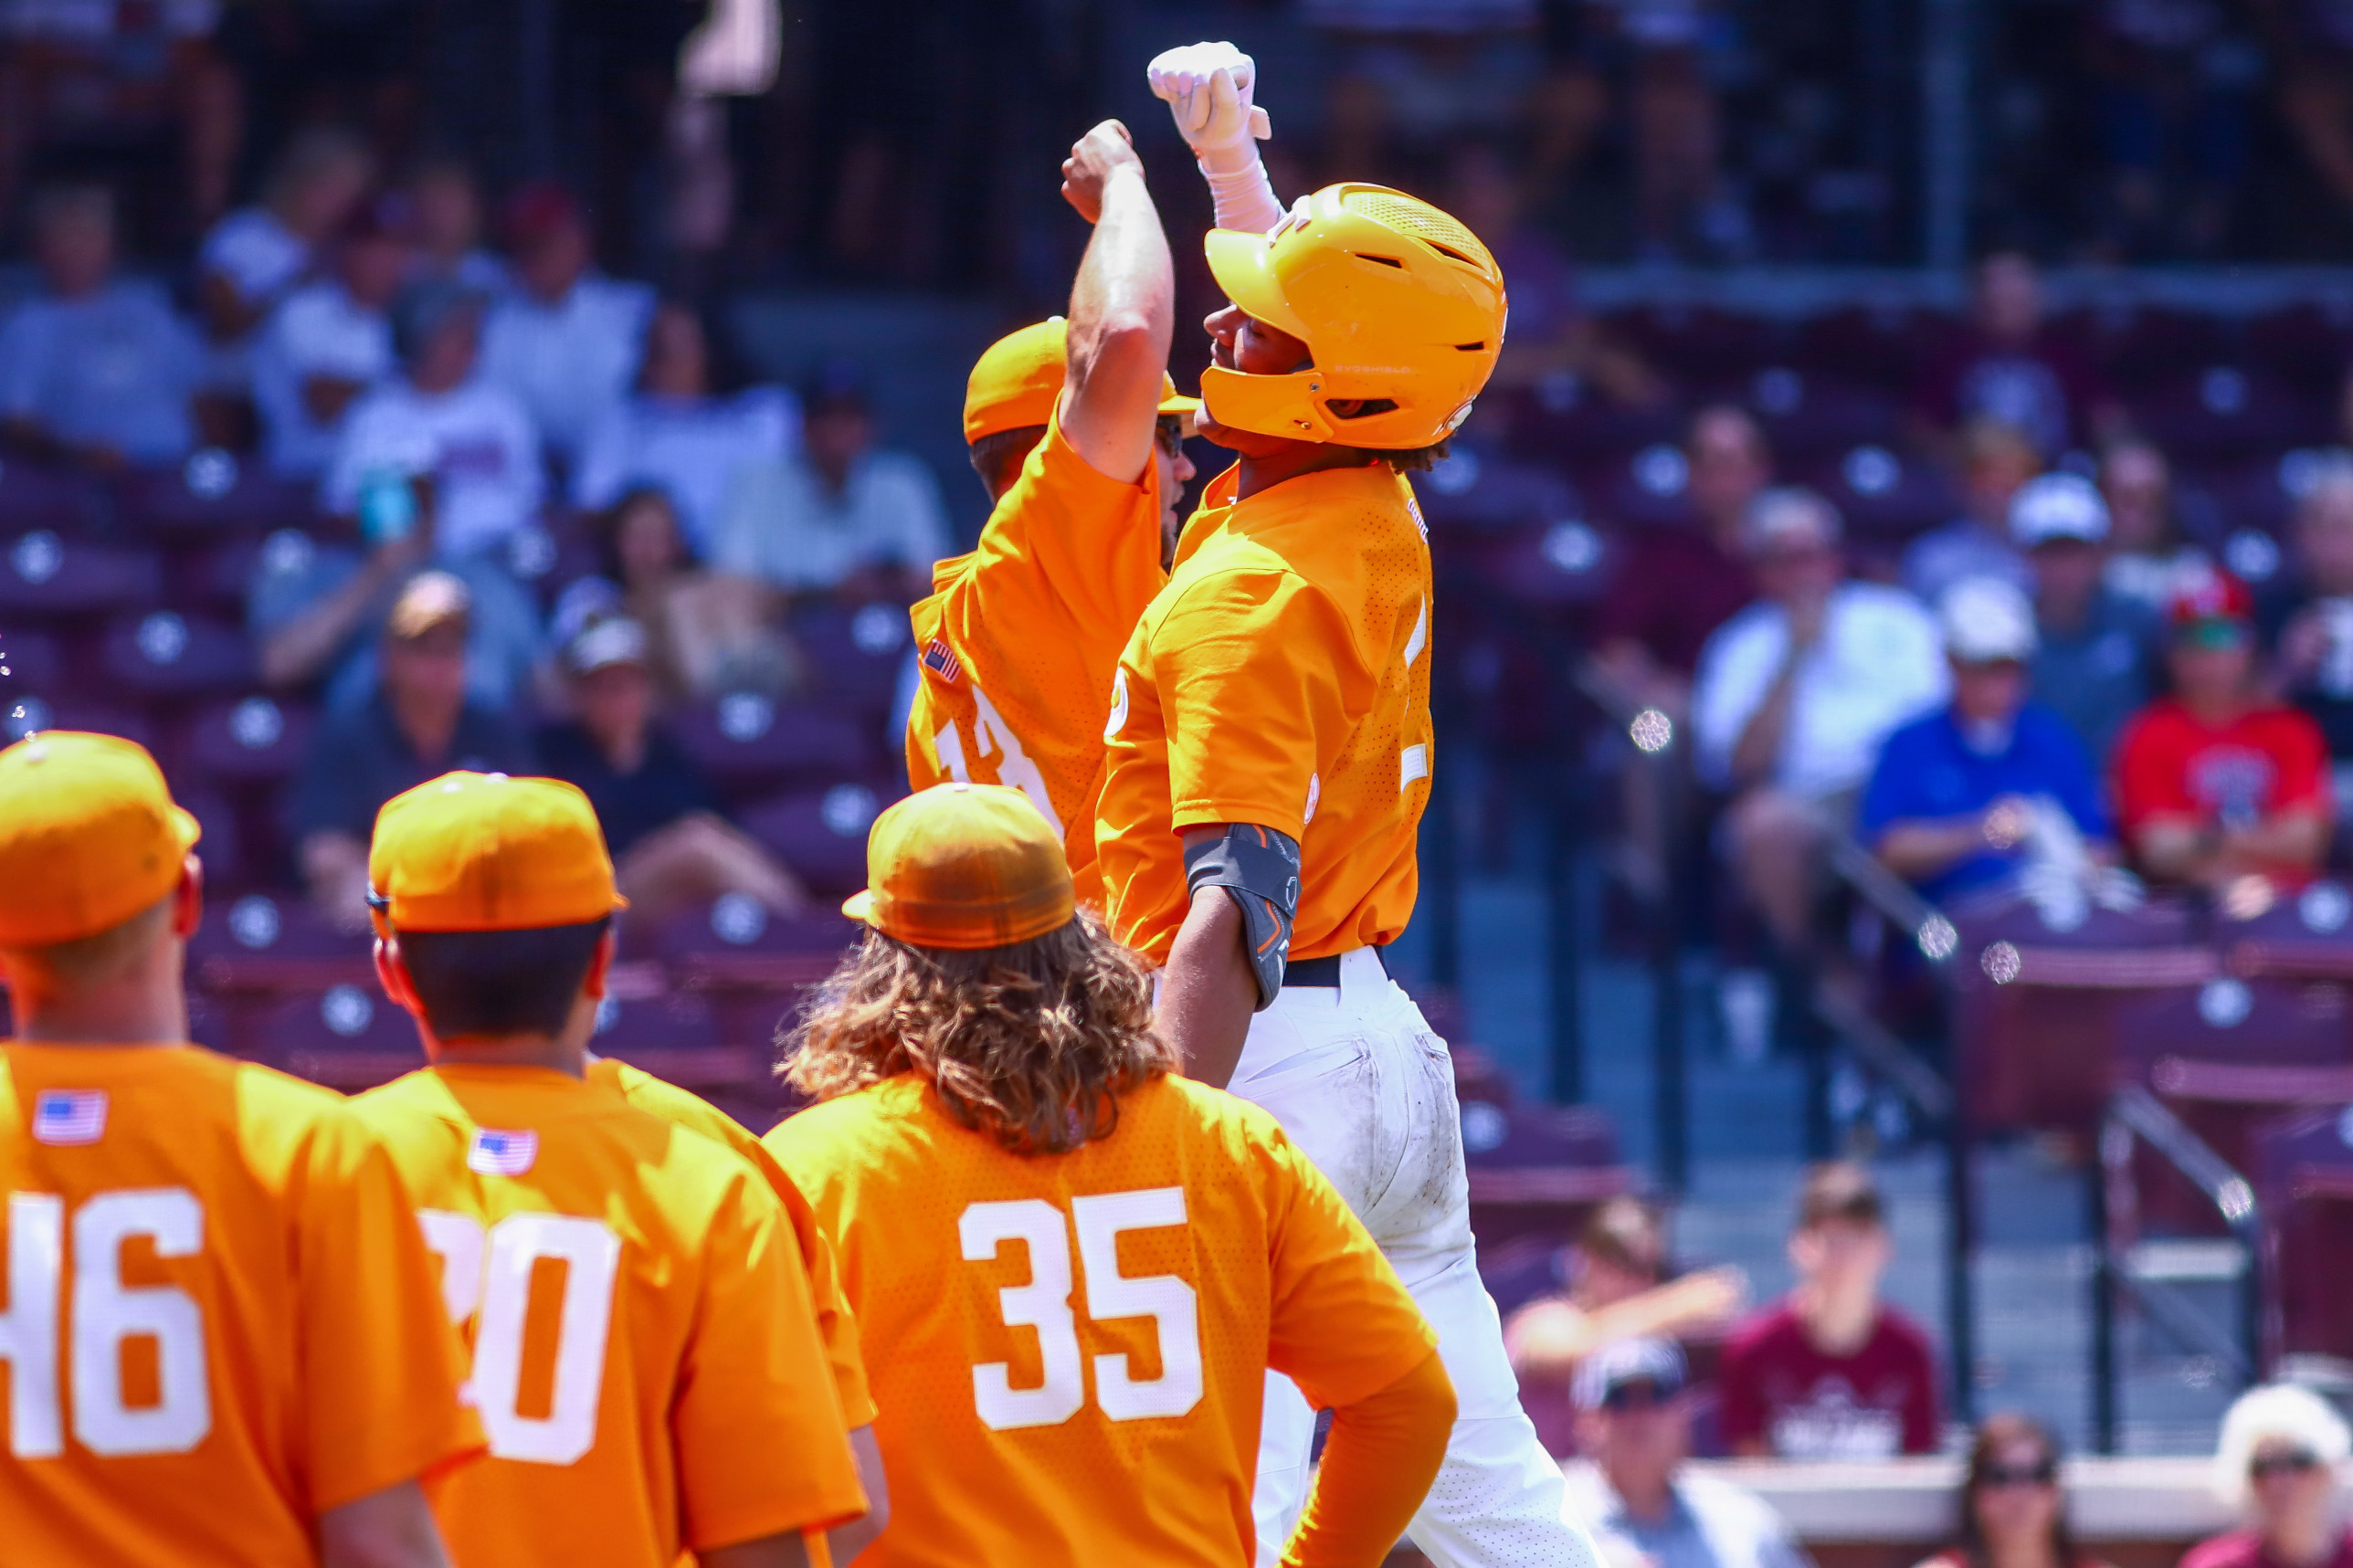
x=2282 y=1446
x=2218 y=782
x=1833 y=1373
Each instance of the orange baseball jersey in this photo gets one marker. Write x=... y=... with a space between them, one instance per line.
x=835 y=1321
x=645 y=1362
x=1281 y=679
x=218 y=1320
x=1070 y=1351
x=1019 y=637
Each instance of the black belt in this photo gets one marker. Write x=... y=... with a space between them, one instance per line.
x=1322 y=971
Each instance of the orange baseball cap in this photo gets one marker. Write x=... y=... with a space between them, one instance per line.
x=486 y=852
x=89 y=836
x=1018 y=378
x=964 y=867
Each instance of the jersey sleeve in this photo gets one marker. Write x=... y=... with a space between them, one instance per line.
x=1342 y=1326
x=761 y=1450
x=837 y=1324
x=381 y=1362
x=1250 y=666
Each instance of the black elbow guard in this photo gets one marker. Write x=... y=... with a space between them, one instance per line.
x=1258 y=869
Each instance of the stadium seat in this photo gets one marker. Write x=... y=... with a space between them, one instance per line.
x=214 y=575
x=1809 y=415
x=2304 y=343
x=752 y=747
x=752 y=965
x=677 y=1037
x=1537 y=1170
x=2132 y=343
x=33 y=662
x=33 y=498
x=2302 y=1168
x=1885 y=345
x=212 y=491
x=2225 y=410
x=820 y=834
x=46 y=575
x=855 y=655
x=1562 y=419
x=163 y=654
x=347 y=1037
x=1880 y=492
x=1477 y=489
x=271 y=943
x=1697 y=344
x=249 y=740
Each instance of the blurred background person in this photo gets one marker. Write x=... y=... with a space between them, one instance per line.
x=1832 y=1372
x=2013 y=1512
x=2093 y=664
x=329 y=340
x=95 y=369
x=565 y=340
x=837 y=514
x=2006 y=365
x=706 y=633
x=2308 y=616
x=251 y=257
x=1997 y=461
x=2149 y=549
x=2218 y=782
x=1795 y=695
x=675 y=434
x=1952 y=803
x=1631 y=1488
x=445 y=218
x=2278 y=1463
x=671 y=848
x=417 y=723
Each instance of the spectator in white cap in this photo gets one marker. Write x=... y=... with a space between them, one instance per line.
x=2281 y=1449
x=2094 y=665
x=1795 y=695
x=1949 y=804
x=1634 y=1492
x=672 y=847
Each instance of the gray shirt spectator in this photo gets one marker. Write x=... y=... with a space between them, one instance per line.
x=94 y=367
x=837 y=513
x=565 y=339
x=1634 y=1494
x=2093 y=668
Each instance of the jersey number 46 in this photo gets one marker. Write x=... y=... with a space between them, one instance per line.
x=1044 y=1304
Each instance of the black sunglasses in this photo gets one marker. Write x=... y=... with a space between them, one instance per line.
x=1169 y=431
x=2041 y=1473
x=2294 y=1464
x=1641 y=1393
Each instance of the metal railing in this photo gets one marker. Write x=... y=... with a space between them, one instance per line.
x=2136 y=1117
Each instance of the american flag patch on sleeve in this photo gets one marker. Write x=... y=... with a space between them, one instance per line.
x=497 y=1153
x=70 y=1116
x=940 y=660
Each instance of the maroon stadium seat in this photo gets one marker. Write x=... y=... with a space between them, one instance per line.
x=677 y=1036
x=46 y=575
x=1879 y=492
x=855 y=655
x=1477 y=489
x=820 y=834
x=248 y=741
x=1809 y=415
x=1883 y=345
x=751 y=746
x=1537 y=1170
x=35 y=497
x=347 y=1037
x=21 y=715
x=212 y=491
x=2227 y=411
x=2303 y=1174
x=164 y=654
x=35 y=661
x=274 y=942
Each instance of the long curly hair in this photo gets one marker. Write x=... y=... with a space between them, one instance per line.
x=1032 y=1044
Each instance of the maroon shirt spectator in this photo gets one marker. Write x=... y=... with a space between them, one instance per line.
x=1676 y=585
x=1832 y=1373
x=2278 y=1460
x=2005 y=366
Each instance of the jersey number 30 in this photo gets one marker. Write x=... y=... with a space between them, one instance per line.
x=490 y=1271
x=1044 y=1304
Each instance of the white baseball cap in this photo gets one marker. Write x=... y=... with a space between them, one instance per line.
x=1987 y=620
x=2057 y=506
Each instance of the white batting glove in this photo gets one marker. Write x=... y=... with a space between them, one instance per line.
x=1209 y=87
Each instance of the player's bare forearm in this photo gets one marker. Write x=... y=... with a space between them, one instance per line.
x=390 y=1529
x=1207 y=992
x=844 y=1542
x=1122 y=308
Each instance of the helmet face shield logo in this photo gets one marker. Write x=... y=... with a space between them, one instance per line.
x=1454 y=420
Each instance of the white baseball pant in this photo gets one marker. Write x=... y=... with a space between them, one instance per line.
x=1361 y=1083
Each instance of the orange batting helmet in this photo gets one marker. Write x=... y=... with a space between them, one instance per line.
x=1397 y=302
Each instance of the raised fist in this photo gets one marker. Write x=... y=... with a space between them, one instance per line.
x=1207 y=88
x=1094 y=159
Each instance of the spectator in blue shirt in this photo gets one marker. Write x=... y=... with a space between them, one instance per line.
x=1950 y=804
x=94 y=369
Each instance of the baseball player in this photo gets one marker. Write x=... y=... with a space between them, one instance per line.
x=646 y=1360
x=1269 y=758
x=1070 y=1268
x=221 y=1333
x=836 y=1325
x=1078 y=435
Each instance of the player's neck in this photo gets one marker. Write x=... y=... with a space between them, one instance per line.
x=559 y=1053
x=143 y=1007
x=1837 y=1324
x=1264 y=470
